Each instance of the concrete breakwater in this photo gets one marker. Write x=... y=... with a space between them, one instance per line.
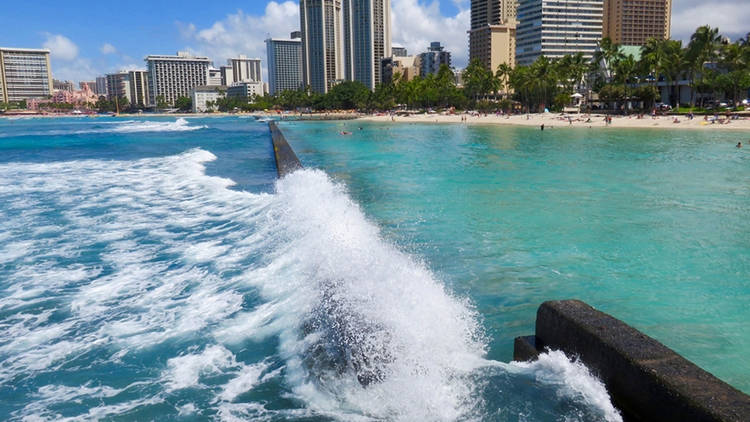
x=647 y=380
x=286 y=159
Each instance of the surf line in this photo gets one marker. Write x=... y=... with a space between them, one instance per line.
x=286 y=160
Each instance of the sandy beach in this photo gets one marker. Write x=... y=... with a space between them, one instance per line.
x=560 y=121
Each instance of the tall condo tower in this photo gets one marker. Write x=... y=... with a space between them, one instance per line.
x=171 y=77
x=633 y=22
x=284 y=58
x=554 y=28
x=367 y=39
x=24 y=74
x=492 y=37
x=245 y=69
x=322 y=43
x=139 y=87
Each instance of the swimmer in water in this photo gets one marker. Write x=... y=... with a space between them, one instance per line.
x=542 y=126
x=739 y=144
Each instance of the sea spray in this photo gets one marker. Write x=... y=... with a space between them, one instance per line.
x=154 y=262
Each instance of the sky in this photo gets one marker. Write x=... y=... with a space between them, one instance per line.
x=91 y=38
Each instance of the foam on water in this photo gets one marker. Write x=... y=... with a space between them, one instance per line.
x=364 y=330
x=115 y=127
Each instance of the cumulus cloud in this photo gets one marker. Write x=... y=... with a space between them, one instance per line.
x=415 y=24
x=61 y=47
x=732 y=17
x=241 y=33
x=107 y=48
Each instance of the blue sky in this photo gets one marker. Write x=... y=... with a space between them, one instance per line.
x=88 y=38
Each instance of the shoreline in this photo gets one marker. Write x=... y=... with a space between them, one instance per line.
x=555 y=121
x=549 y=120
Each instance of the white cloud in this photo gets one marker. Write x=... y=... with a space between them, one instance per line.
x=415 y=24
x=240 y=33
x=80 y=69
x=107 y=48
x=730 y=16
x=61 y=47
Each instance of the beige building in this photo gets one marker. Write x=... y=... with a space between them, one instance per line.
x=492 y=38
x=633 y=22
x=407 y=66
x=24 y=74
x=493 y=45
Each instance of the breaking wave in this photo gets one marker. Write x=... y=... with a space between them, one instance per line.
x=119 y=264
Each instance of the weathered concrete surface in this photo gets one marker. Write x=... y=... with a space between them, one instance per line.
x=286 y=159
x=647 y=380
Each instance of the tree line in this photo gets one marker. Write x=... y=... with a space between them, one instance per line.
x=713 y=67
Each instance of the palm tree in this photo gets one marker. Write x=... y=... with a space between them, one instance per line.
x=607 y=55
x=703 y=47
x=503 y=76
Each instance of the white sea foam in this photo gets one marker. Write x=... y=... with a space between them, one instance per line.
x=180 y=254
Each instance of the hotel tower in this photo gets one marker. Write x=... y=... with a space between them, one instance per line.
x=344 y=40
x=24 y=74
x=633 y=22
x=322 y=43
x=556 y=28
x=492 y=38
x=367 y=39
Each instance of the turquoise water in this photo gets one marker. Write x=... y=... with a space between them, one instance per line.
x=651 y=226
x=154 y=269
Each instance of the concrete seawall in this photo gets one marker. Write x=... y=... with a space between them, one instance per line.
x=286 y=159
x=647 y=380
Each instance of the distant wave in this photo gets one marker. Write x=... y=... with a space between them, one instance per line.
x=127 y=126
x=180 y=125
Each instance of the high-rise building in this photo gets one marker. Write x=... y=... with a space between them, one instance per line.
x=398 y=51
x=284 y=58
x=118 y=86
x=492 y=37
x=171 y=77
x=138 y=81
x=367 y=39
x=24 y=74
x=227 y=78
x=632 y=22
x=433 y=58
x=322 y=43
x=493 y=45
x=556 y=28
x=245 y=69
x=101 y=85
x=214 y=76
x=492 y=12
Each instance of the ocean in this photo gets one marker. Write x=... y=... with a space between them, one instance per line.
x=155 y=269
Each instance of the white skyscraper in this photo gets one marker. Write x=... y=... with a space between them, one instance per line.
x=245 y=70
x=24 y=74
x=171 y=77
x=367 y=39
x=554 y=28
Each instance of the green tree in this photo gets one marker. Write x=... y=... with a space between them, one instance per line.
x=183 y=103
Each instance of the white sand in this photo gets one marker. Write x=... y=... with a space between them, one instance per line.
x=556 y=120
